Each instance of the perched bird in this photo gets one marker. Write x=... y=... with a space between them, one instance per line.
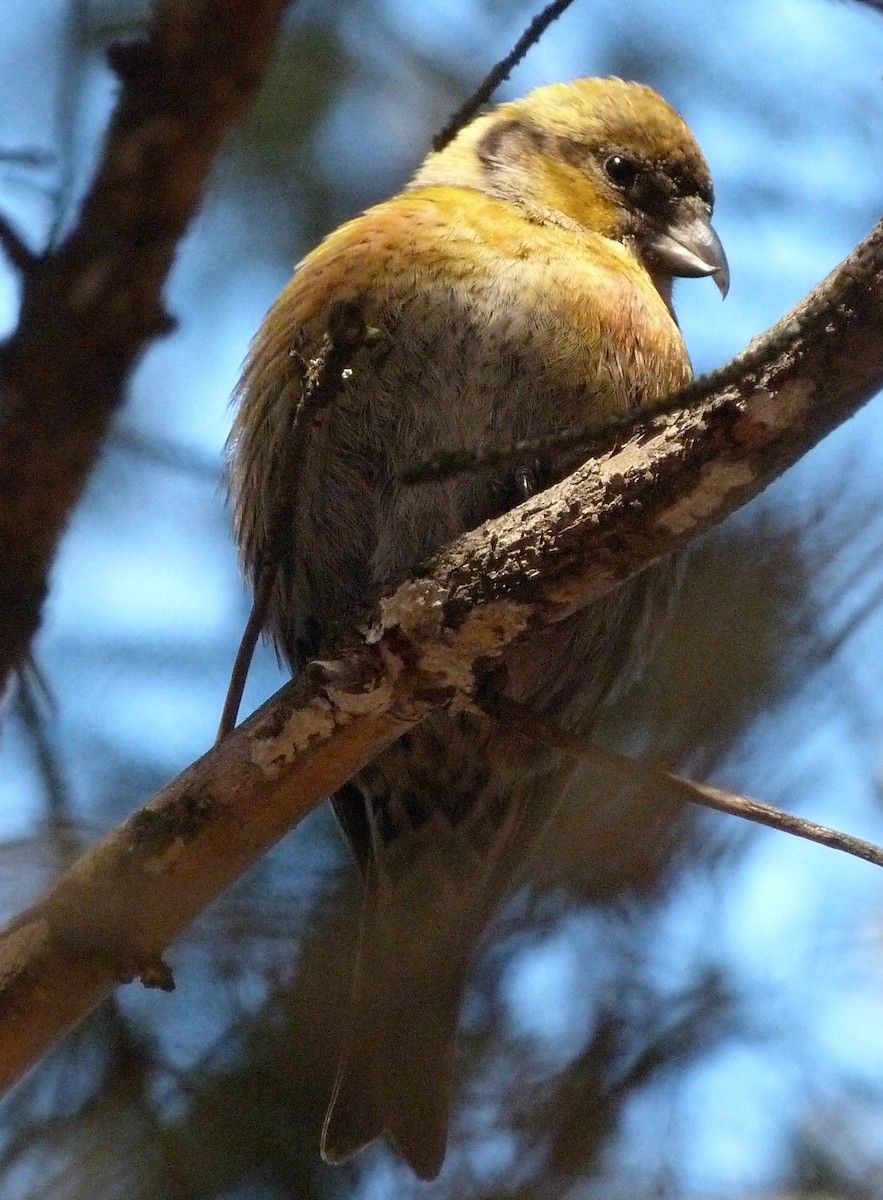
x=521 y=283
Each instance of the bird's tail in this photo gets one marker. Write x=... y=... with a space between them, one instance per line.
x=397 y=1065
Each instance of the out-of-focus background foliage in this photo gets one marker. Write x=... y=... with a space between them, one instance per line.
x=681 y=1006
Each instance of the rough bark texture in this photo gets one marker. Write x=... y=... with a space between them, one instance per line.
x=110 y=917
x=92 y=305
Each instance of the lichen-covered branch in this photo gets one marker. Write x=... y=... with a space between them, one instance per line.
x=111 y=916
x=91 y=306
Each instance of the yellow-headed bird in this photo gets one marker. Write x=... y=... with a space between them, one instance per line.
x=521 y=283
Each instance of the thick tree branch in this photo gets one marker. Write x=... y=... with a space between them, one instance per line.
x=111 y=916
x=730 y=435
x=90 y=307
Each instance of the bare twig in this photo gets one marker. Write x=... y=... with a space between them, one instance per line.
x=325 y=376
x=158 y=451
x=500 y=72
x=69 y=82
x=816 y=311
x=245 y=653
x=15 y=249
x=521 y=721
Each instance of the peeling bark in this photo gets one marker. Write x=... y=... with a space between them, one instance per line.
x=676 y=474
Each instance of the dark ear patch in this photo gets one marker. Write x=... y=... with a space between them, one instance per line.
x=509 y=141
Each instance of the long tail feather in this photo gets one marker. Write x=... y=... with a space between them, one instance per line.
x=397 y=1066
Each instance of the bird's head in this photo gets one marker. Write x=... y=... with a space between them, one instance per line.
x=603 y=154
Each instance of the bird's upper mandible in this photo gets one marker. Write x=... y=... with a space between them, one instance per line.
x=604 y=154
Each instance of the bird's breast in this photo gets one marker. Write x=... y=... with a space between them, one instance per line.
x=578 y=311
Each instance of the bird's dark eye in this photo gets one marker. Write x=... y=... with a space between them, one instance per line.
x=621 y=171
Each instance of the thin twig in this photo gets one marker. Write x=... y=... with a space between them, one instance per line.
x=161 y=452
x=78 y=49
x=325 y=377
x=521 y=721
x=66 y=843
x=821 y=307
x=245 y=652
x=593 y=440
x=448 y=463
x=15 y=249
x=500 y=72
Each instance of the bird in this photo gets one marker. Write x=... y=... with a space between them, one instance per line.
x=520 y=283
